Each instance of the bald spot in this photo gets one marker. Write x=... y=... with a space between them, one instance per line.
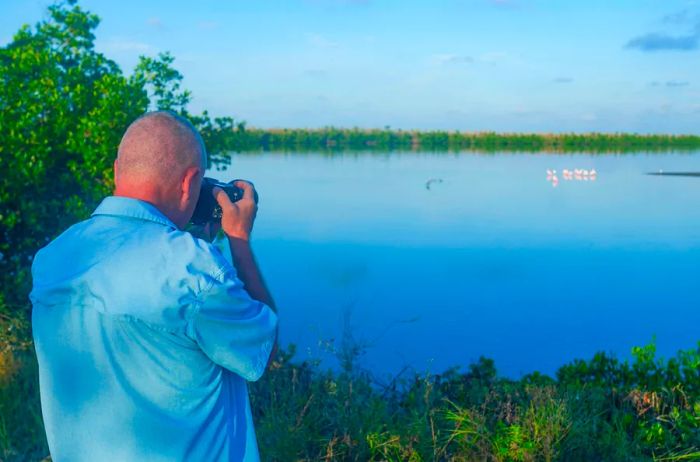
x=157 y=148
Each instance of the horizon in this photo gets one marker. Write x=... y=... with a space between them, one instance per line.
x=506 y=66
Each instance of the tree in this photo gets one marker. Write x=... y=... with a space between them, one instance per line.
x=63 y=109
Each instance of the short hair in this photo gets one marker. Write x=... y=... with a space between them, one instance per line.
x=159 y=146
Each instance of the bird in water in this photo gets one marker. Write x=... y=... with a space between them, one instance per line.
x=430 y=182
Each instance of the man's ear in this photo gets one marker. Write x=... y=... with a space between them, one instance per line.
x=190 y=189
x=115 y=172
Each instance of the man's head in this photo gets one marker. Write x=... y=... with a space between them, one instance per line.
x=161 y=160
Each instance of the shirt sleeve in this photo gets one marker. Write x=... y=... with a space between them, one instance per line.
x=233 y=330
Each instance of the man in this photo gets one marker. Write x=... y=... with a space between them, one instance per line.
x=146 y=335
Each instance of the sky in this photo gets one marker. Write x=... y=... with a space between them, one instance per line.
x=471 y=65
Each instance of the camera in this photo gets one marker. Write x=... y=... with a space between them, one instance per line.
x=207 y=209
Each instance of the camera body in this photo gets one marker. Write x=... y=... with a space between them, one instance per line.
x=207 y=209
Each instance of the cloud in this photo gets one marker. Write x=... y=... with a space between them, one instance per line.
x=670 y=83
x=504 y=3
x=563 y=80
x=449 y=58
x=332 y=3
x=663 y=42
x=319 y=41
x=494 y=57
x=315 y=72
x=155 y=22
x=681 y=17
x=208 y=25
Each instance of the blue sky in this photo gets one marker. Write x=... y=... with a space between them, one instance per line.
x=505 y=65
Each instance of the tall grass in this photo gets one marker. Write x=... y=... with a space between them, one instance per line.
x=21 y=428
x=603 y=409
x=647 y=409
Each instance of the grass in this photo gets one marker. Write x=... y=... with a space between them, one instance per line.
x=21 y=428
x=601 y=409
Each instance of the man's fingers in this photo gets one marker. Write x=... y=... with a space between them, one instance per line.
x=238 y=217
x=248 y=190
x=221 y=197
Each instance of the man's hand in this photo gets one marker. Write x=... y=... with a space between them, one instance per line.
x=238 y=217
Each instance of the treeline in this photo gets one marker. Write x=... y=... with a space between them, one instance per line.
x=239 y=138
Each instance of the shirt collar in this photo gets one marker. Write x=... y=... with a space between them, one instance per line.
x=132 y=208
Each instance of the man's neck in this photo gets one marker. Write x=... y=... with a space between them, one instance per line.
x=153 y=196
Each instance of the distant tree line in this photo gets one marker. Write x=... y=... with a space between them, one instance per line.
x=240 y=138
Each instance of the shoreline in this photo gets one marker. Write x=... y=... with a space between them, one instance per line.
x=241 y=139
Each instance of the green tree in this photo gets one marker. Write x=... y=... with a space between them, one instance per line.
x=63 y=109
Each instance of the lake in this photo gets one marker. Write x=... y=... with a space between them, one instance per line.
x=431 y=260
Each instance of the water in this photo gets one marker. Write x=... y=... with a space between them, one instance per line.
x=489 y=259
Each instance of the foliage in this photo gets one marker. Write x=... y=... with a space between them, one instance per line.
x=63 y=109
x=305 y=413
x=21 y=428
x=627 y=413
x=332 y=139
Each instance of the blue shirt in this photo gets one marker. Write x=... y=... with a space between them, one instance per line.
x=145 y=338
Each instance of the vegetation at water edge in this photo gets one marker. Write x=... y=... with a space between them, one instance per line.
x=602 y=409
x=382 y=140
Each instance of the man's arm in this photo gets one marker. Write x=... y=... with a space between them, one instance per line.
x=249 y=272
x=237 y=223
